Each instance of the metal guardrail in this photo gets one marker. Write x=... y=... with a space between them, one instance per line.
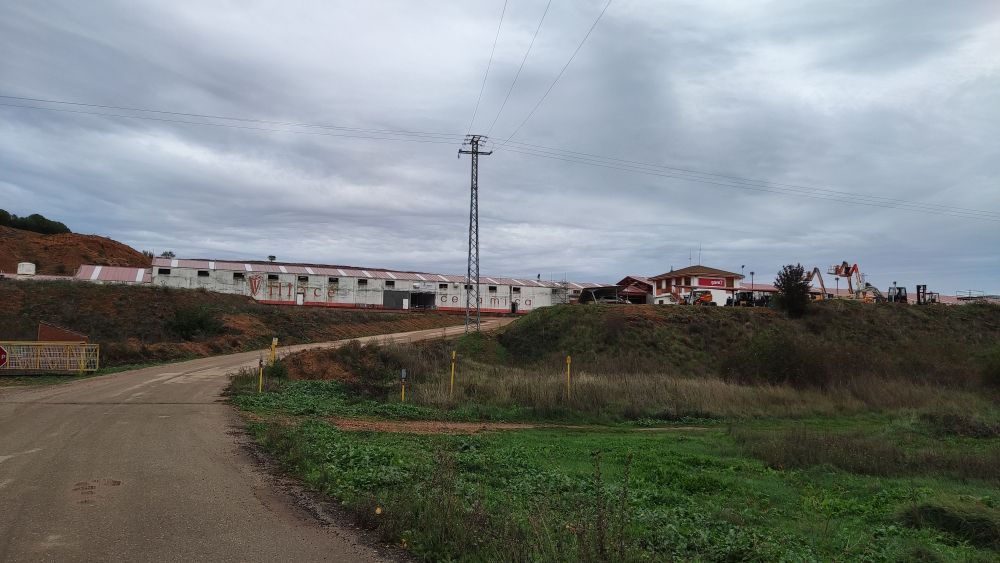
x=49 y=356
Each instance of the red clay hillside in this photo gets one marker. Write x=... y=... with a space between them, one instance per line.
x=62 y=254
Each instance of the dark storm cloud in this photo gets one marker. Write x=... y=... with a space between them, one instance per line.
x=890 y=99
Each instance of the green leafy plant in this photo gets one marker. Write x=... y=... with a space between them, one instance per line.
x=793 y=290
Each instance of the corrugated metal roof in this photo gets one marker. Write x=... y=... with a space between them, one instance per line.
x=352 y=272
x=113 y=274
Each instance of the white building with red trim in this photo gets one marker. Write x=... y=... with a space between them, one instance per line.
x=676 y=285
x=353 y=287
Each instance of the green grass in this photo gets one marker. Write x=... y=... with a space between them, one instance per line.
x=857 y=488
x=533 y=495
x=332 y=399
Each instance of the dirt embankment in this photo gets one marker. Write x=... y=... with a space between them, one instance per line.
x=63 y=254
x=137 y=324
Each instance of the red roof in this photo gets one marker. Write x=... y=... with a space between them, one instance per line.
x=697 y=270
x=113 y=274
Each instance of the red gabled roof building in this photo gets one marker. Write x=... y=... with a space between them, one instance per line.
x=682 y=282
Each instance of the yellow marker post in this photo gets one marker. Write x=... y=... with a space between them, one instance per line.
x=260 y=376
x=569 y=392
x=274 y=349
x=451 y=389
x=402 y=388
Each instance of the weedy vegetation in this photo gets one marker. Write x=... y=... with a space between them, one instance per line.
x=688 y=434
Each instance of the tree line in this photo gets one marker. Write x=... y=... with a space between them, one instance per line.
x=34 y=222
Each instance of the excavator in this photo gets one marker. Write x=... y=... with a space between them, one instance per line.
x=815 y=274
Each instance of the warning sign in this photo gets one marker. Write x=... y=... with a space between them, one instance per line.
x=3 y=356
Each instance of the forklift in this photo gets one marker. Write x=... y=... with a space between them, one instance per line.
x=925 y=297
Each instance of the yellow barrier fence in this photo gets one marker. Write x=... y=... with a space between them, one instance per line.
x=49 y=356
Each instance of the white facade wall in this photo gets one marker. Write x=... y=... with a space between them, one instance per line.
x=719 y=296
x=355 y=291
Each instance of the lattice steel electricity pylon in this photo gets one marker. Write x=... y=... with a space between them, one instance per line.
x=472 y=272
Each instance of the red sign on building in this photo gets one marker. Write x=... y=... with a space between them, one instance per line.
x=712 y=282
x=3 y=356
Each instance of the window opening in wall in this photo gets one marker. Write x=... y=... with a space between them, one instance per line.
x=272 y=277
x=390 y=283
x=493 y=289
x=442 y=286
x=202 y=273
x=333 y=280
x=304 y=279
x=238 y=276
x=163 y=271
x=517 y=290
x=362 y=282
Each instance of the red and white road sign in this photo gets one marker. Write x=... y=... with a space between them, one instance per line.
x=3 y=356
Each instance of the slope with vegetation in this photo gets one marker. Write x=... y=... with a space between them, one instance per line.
x=35 y=223
x=138 y=324
x=62 y=254
x=853 y=433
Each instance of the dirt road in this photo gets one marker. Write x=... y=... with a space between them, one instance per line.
x=148 y=465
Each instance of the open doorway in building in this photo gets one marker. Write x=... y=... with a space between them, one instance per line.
x=422 y=300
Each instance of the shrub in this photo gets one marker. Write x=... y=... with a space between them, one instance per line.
x=277 y=369
x=991 y=367
x=195 y=322
x=793 y=290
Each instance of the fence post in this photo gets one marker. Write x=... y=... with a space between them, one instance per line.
x=569 y=392
x=451 y=389
x=402 y=388
x=260 y=375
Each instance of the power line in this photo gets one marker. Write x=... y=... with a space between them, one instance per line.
x=784 y=187
x=518 y=73
x=488 y=65
x=228 y=118
x=590 y=159
x=907 y=206
x=372 y=136
x=561 y=72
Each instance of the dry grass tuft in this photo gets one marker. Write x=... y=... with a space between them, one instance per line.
x=865 y=454
x=623 y=397
x=973 y=522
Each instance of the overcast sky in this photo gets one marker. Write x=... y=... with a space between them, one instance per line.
x=891 y=99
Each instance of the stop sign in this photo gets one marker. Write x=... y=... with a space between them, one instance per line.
x=3 y=356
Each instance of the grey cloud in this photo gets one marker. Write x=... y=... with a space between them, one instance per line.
x=890 y=99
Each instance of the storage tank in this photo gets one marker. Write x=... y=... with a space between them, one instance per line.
x=25 y=269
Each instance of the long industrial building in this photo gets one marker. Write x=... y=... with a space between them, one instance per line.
x=353 y=287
